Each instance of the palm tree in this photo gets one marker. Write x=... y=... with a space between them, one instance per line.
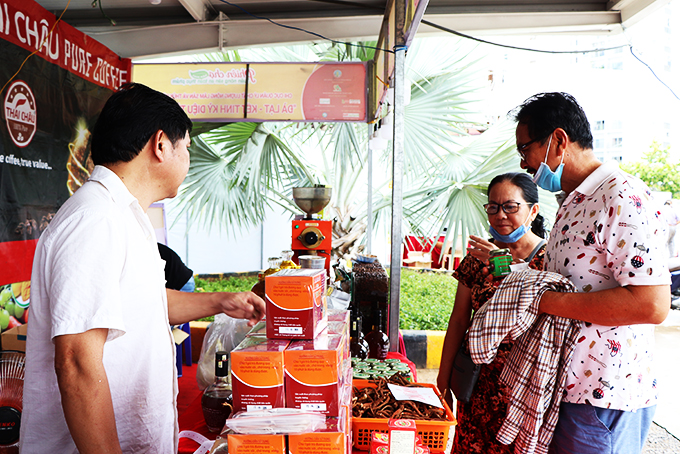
x=239 y=169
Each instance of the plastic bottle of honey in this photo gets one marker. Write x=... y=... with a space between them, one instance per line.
x=274 y=266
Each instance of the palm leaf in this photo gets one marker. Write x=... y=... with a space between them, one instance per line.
x=211 y=195
x=454 y=200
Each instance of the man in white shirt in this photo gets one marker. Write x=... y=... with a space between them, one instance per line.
x=100 y=373
x=608 y=239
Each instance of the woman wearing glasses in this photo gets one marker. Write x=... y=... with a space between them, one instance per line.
x=516 y=224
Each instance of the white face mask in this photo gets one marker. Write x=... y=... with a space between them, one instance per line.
x=546 y=178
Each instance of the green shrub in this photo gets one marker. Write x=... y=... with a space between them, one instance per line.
x=426 y=300
x=230 y=284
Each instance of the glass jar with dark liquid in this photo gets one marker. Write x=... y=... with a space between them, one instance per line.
x=217 y=400
x=378 y=341
x=358 y=346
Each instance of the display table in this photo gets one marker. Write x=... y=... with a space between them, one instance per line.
x=189 y=410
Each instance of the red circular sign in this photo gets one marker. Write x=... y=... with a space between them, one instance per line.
x=20 y=113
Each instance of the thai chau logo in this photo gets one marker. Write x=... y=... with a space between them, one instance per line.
x=20 y=113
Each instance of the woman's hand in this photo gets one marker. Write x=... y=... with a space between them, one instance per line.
x=443 y=385
x=480 y=248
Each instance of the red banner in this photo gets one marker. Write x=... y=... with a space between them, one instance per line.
x=20 y=255
x=50 y=102
x=27 y=24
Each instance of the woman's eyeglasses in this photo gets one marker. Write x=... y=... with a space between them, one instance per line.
x=508 y=207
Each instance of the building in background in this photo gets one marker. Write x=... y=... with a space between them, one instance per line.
x=629 y=108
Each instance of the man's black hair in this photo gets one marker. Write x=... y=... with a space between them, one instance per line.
x=130 y=117
x=545 y=112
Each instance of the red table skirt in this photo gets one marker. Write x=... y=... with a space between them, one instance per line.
x=189 y=409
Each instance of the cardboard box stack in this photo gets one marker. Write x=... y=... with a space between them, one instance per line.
x=296 y=359
x=257 y=374
x=316 y=374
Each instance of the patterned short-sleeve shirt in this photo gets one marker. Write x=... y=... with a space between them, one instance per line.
x=609 y=232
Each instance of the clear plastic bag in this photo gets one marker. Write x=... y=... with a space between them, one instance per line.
x=224 y=334
x=275 y=421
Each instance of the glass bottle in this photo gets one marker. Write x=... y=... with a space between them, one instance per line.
x=378 y=341
x=286 y=260
x=274 y=266
x=217 y=400
x=358 y=346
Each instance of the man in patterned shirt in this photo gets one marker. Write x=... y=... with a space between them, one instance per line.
x=608 y=239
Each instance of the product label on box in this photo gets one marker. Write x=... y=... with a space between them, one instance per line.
x=313 y=368
x=258 y=407
x=317 y=443
x=257 y=373
x=402 y=436
x=313 y=407
x=249 y=398
x=324 y=399
x=314 y=372
x=256 y=444
x=257 y=370
x=295 y=303
x=290 y=330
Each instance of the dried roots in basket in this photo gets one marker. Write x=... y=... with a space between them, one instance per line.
x=379 y=403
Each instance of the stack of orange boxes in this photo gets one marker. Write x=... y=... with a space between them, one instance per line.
x=257 y=374
x=300 y=359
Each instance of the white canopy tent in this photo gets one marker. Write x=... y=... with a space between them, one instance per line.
x=145 y=28
x=142 y=29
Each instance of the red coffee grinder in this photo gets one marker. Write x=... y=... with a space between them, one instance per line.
x=310 y=234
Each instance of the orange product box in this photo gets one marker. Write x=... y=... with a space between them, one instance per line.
x=402 y=436
x=296 y=303
x=318 y=443
x=256 y=444
x=331 y=439
x=257 y=374
x=315 y=373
